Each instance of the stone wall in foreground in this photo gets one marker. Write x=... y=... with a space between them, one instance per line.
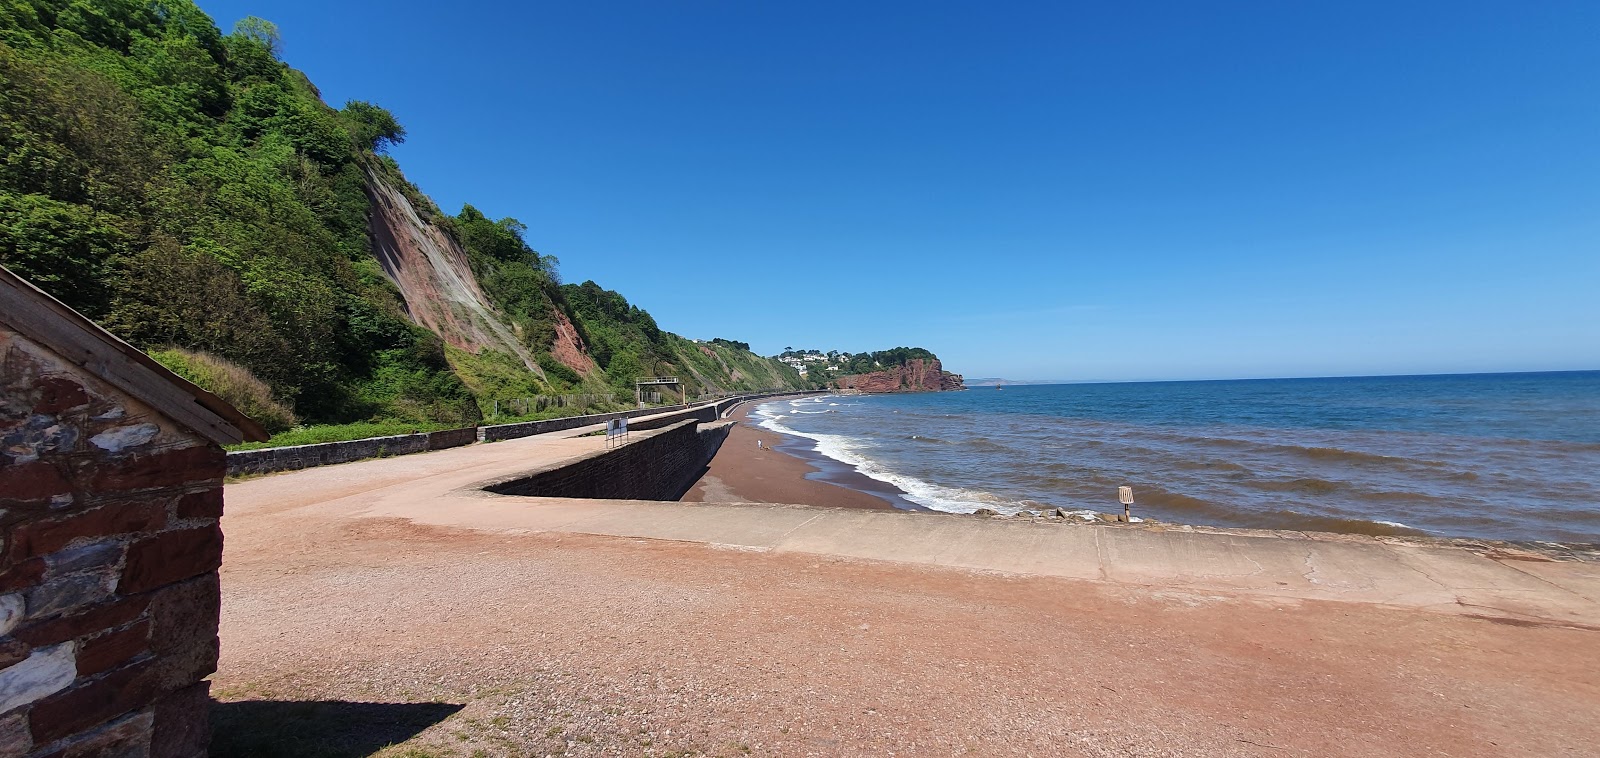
x=108 y=573
x=652 y=465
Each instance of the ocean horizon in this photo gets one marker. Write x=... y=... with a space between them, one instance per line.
x=1512 y=456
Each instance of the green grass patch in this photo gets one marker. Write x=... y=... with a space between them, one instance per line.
x=312 y=435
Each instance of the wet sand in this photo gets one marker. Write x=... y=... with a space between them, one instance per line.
x=785 y=469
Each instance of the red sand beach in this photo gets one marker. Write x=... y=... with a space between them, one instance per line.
x=743 y=472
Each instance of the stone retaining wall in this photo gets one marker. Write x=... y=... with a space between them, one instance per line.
x=528 y=428
x=294 y=458
x=268 y=460
x=654 y=465
x=500 y=432
x=452 y=438
x=108 y=579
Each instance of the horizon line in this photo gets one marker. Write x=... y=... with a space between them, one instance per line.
x=1054 y=382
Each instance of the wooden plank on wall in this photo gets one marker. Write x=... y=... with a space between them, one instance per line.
x=46 y=321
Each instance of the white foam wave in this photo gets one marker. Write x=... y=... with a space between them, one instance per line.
x=850 y=451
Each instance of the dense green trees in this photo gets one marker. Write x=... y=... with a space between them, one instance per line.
x=188 y=189
x=818 y=373
x=623 y=339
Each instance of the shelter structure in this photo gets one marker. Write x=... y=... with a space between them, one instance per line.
x=111 y=472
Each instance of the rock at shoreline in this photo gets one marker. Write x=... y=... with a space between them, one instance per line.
x=986 y=512
x=917 y=375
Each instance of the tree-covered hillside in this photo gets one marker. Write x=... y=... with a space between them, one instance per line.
x=626 y=343
x=821 y=367
x=188 y=189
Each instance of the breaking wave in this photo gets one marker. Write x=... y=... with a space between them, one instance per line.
x=1476 y=457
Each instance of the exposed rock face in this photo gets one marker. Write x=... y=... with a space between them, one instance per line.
x=433 y=276
x=916 y=376
x=568 y=346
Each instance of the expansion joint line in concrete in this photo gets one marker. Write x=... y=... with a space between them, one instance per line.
x=1543 y=580
x=1100 y=558
x=793 y=529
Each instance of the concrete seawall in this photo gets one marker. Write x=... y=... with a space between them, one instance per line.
x=296 y=457
x=705 y=412
x=657 y=464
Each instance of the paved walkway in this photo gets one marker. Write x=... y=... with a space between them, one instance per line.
x=1533 y=585
x=393 y=603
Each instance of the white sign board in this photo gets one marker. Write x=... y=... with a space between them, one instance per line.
x=1125 y=495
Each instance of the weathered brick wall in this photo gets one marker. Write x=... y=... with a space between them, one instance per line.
x=108 y=572
x=653 y=465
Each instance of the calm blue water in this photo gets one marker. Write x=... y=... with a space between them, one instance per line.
x=1503 y=456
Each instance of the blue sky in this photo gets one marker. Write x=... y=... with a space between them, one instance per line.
x=1051 y=190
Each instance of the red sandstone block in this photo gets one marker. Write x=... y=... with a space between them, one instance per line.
x=49 y=535
x=113 y=648
x=90 y=703
x=206 y=504
x=164 y=469
x=171 y=557
x=183 y=724
x=57 y=394
x=186 y=665
x=29 y=573
x=35 y=480
x=65 y=628
x=185 y=613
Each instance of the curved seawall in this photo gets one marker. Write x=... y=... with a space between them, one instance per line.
x=657 y=464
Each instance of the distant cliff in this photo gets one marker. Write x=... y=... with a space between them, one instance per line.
x=916 y=375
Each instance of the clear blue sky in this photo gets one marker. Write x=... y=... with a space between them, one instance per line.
x=1051 y=190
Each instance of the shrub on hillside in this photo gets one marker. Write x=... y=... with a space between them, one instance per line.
x=231 y=382
x=558 y=370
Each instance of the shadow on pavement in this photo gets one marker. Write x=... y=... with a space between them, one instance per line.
x=317 y=728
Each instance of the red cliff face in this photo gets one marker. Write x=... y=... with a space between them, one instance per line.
x=916 y=376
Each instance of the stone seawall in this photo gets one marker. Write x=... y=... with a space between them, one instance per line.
x=274 y=459
x=296 y=457
x=653 y=465
x=452 y=438
x=529 y=428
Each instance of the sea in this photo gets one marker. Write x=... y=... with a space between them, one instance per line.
x=1489 y=456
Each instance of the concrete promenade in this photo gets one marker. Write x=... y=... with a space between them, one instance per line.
x=1537 y=584
x=392 y=608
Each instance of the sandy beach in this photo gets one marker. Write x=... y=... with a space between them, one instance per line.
x=783 y=470
x=385 y=607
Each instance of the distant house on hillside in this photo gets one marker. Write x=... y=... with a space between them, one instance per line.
x=111 y=476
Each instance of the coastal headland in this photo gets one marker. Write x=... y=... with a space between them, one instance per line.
x=558 y=625
x=915 y=375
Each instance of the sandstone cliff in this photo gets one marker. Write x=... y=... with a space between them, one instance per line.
x=432 y=273
x=917 y=375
